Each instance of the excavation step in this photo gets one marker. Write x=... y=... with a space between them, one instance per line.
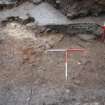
x=46 y=15
x=78 y=28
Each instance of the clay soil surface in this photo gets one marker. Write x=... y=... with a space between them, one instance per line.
x=29 y=75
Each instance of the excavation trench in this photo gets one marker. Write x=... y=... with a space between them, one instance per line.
x=29 y=75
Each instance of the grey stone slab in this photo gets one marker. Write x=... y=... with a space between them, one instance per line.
x=19 y=11
x=86 y=37
x=44 y=14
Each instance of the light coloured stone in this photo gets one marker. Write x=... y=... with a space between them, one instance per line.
x=86 y=37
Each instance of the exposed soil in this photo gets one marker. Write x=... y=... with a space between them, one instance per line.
x=29 y=75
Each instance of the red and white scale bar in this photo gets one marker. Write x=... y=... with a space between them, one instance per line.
x=67 y=51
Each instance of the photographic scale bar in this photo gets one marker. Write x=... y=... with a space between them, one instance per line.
x=67 y=51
